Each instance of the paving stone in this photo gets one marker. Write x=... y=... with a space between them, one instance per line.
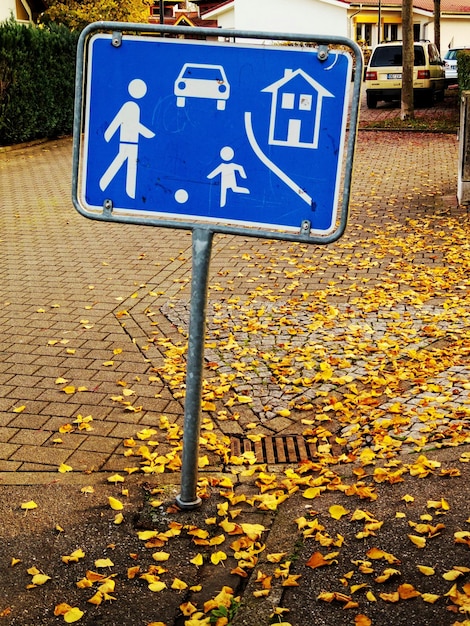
x=62 y=410
x=29 y=437
x=69 y=441
x=124 y=431
x=84 y=460
x=119 y=415
x=6 y=418
x=6 y=434
x=100 y=444
x=29 y=468
x=9 y=466
x=39 y=455
x=7 y=449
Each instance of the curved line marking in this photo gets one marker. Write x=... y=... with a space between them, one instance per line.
x=270 y=165
x=330 y=67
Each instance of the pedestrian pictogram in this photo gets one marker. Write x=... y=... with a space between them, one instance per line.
x=254 y=140
x=127 y=122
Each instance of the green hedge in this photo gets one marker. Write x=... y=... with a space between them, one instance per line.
x=37 y=73
x=463 y=69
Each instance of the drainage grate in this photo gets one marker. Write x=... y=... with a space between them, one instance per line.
x=285 y=449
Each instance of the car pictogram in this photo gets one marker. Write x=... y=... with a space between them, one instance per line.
x=201 y=80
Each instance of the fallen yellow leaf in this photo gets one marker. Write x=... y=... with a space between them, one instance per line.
x=178 y=584
x=74 y=557
x=40 y=579
x=160 y=556
x=28 y=506
x=427 y=571
x=104 y=563
x=430 y=597
x=217 y=557
x=115 y=504
x=198 y=560
x=116 y=478
x=73 y=615
x=419 y=542
x=337 y=511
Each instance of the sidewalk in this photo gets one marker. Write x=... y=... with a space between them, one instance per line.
x=92 y=325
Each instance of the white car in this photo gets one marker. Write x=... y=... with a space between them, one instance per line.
x=201 y=80
x=384 y=73
x=450 y=65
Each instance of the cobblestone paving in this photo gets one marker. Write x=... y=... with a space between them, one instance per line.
x=75 y=298
x=278 y=354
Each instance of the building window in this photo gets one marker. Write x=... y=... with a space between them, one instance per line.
x=416 y=32
x=155 y=10
x=364 y=33
x=390 y=32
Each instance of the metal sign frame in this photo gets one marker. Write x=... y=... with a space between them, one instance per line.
x=321 y=41
x=202 y=233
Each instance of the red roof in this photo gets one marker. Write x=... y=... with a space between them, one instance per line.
x=447 y=6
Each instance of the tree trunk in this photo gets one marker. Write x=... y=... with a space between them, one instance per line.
x=437 y=24
x=407 y=108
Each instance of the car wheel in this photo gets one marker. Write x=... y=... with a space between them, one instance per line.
x=424 y=98
x=432 y=97
x=371 y=100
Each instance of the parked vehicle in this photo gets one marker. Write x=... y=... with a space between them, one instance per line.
x=450 y=65
x=384 y=73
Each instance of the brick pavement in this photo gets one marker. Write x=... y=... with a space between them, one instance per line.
x=79 y=300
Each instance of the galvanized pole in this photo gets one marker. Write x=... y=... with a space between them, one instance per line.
x=201 y=250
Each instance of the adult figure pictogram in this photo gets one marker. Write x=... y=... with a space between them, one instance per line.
x=127 y=122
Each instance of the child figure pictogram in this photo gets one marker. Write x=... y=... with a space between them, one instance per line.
x=228 y=175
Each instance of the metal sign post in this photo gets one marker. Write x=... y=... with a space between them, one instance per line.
x=240 y=138
x=202 y=246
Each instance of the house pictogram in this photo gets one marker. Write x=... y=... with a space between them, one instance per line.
x=296 y=105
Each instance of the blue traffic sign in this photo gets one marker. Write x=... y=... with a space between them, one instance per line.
x=236 y=134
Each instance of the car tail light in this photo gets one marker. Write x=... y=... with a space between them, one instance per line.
x=424 y=74
x=371 y=75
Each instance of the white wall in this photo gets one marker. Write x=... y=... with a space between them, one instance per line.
x=226 y=19
x=7 y=7
x=455 y=33
x=320 y=17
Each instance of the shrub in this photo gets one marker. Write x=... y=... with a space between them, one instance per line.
x=463 y=69
x=37 y=75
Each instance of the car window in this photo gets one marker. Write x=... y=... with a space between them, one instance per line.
x=451 y=55
x=419 y=56
x=387 y=56
x=392 y=56
x=203 y=73
x=434 y=58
